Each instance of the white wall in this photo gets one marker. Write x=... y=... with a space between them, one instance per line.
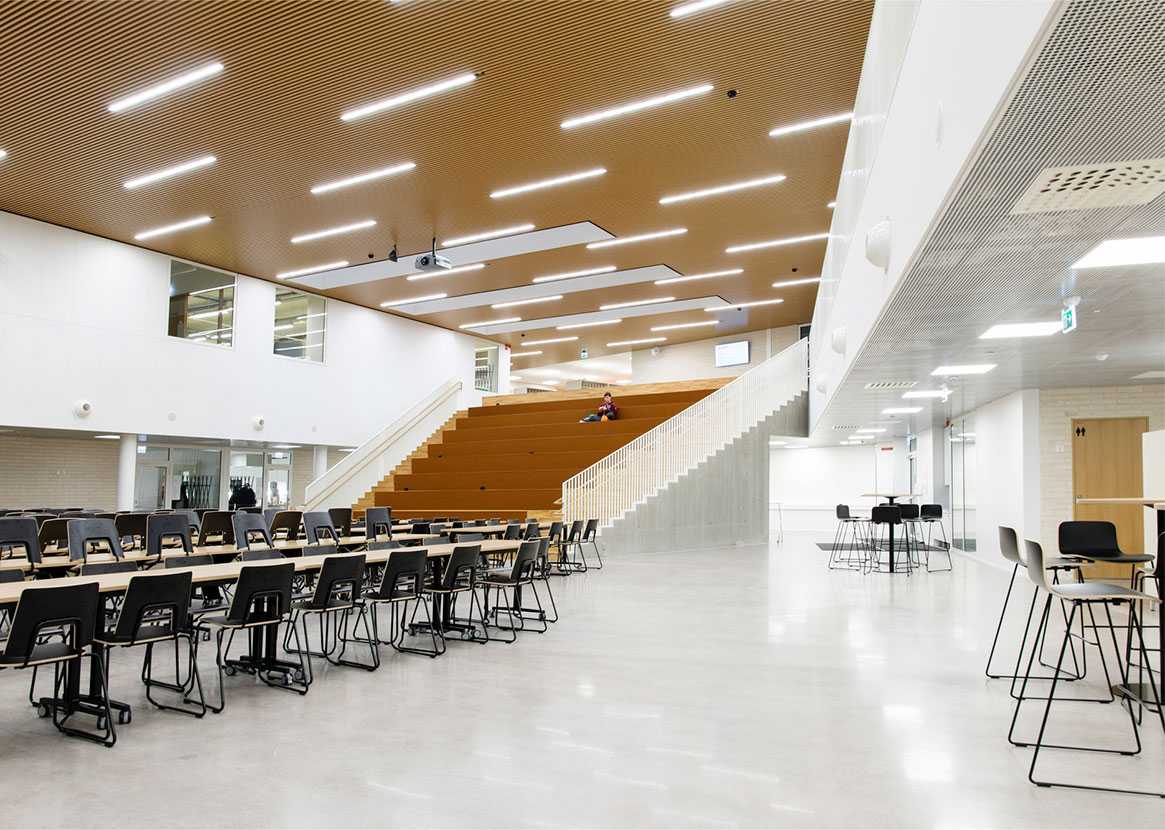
x=810 y=483
x=1007 y=469
x=85 y=317
x=697 y=359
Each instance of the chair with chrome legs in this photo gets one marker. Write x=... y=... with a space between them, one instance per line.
x=403 y=584
x=851 y=536
x=156 y=609
x=339 y=591
x=507 y=585
x=1085 y=596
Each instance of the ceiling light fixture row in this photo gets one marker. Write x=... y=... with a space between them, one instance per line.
x=460 y=269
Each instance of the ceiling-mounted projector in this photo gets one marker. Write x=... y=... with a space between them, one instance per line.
x=432 y=261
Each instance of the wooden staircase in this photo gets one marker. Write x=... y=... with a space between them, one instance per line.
x=509 y=457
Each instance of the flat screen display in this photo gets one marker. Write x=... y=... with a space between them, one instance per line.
x=732 y=354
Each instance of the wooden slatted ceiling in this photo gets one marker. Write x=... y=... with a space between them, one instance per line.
x=291 y=68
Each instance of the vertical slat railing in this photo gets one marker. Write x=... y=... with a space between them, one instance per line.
x=612 y=486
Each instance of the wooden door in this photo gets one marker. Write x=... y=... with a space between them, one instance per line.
x=1106 y=462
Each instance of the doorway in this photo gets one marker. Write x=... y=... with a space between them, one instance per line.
x=1107 y=463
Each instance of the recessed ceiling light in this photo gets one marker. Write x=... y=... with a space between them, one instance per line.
x=548 y=341
x=1002 y=330
x=697 y=324
x=725 y=188
x=636 y=106
x=705 y=276
x=108 y=437
x=177 y=226
x=831 y=205
x=477 y=266
x=588 y=325
x=965 y=369
x=410 y=96
x=872 y=430
x=791 y=283
x=158 y=90
x=684 y=9
x=801 y=126
x=497 y=322
x=3 y=154
x=531 y=301
x=623 y=240
x=1137 y=251
x=169 y=172
x=586 y=272
x=336 y=231
x=613 y=306
x=544 y=183
x=382 y=173
x=736 y=306
x=774 y=243
x=901 y=410
x=529 y=354
x=926 y=393
x=477 y=237
x=327 y=266
x=421 y=299
x=636 y=342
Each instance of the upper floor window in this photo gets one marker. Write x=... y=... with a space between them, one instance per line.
x=202 y=304
x=300 y=324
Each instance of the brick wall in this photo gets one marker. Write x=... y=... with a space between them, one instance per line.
x=1057 y=409
x=58 y=472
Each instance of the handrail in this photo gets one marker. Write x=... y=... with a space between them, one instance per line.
x=635 y=472
x=324 y=488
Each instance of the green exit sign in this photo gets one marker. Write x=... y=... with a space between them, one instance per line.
x=1068 y=319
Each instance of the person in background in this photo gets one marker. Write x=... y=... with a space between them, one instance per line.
x=243 y=497
x=607 y=411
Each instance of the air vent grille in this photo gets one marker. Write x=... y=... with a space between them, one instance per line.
x=889 y=385
x=1092 y=186
x=846 y=427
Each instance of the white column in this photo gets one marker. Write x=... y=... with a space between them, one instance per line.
x=127 y=466
x=319 y=462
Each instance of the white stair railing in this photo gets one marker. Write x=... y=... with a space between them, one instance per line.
x=360 y=470
x=612 y=486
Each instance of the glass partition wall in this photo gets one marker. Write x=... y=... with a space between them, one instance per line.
x=960 y=445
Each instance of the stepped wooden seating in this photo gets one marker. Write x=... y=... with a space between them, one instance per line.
x=509 y=457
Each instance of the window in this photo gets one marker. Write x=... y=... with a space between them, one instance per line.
x=300 y=325
x=202 y=304
x=278 y=480
x=485 y=369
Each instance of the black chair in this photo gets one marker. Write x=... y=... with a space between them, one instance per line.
x=507 y=586
x=53 y=532
x=339 y=591
x=172 y=527
x=20 y=533
x=590 y=537
x=1096 y=541
x=216 y=523
x=458 y=579
x=341 y=519
x=932 y=517
x=269 y=515
x=7 y=609
x=250 y=528
x=131 y=527
x=285 y=524
x=543 y=573
x=116 y=567
x=377 y=522
x=403 y=582
x=260 y=555
x=55 y=626
x=85 y=535
x=156 y=609
x=513 y=532
x=193 y=520
x=572 y=541
x=207 y=592
x=261 y=603
x=419 y=527
x=889 y=517
x=78 y=514
x=318 y=528
x=531 y=532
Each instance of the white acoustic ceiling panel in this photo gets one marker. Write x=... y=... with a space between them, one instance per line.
x=487 y=250
x=599 y=316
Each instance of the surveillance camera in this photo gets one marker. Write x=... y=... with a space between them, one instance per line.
x=82 y=409
x=259 y=422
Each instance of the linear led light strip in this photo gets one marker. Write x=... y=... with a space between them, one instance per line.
x=544 y=183
x=336 y=231
x=623 y=240
x=3 y=154
x=726 y=188
x=636 y=106
x=477 y=237
x=550 y=340
x=371 y=175
x=802 y=126
x=1005 y=330
x=791 y=283
x=158 y=90
x=410 y=300
x=775 y=243
x=705 y=276
x=685 y=9
x=206 y=315
x=588 y=325
x=530 y=354
x=638 y=342
x=169 y=172
x=177 y=226
x=513 y=303
x=497 y=322
x=327 y=266
x=586 y=272
x=613 y=306
x=736 y=306
x=477 y=266
x=410 y=96
x=697 y=324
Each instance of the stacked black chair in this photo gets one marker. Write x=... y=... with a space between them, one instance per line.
x=543 y=575
x=216 y=523
x=377 y=522
x=250 y=528
x=20 y=534
x=54 y=532
x=341 y=519
x=131 y=528
x=85 y=535
x=318 y=528
x=572 y=542
x=285 y=524
x=168 y=528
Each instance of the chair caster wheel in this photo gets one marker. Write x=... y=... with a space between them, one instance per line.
x=229 y=671
x=124 y=717
x=43 y=710
x=298 y=676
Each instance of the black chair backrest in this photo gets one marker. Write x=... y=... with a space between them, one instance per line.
x=104 y=515
x=908 y=511
x=78 y=514
x=188 y=561
x=54 y=531
x=404 y=571
x=167 y=528
x=250 y=527
x=886 y=514
x=1009 y=544
x=1093 y=539
x=131 y=525
x=319 y=524
x=543 y=553
x=85 y=532
x=931 y=511
x=216 y=523
x=20 y=532
x=382 y=544
x=470 y=537
x=591 y=530
x=377 y=522
x=164 y=597
x=526 y=562
x=555 y=532
x=493 y=521
x=262 y=593
x=98 y=568
x=576 y=529
x=73 y=606
x=532 y=529
x=11 y=576
x=260 y=555
x=269 y=514
x=436 y=527
x=285 y=524
x=341 y=577
x=440 y=518
x=419 y=527
x=341 y=519
x=192 y=519
x=842 y=511
x=461 y=571
x=513 y=531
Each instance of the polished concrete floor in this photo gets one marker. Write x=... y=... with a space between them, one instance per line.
x=741 y=687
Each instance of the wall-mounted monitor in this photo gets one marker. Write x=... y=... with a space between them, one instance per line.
x=732 y=354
